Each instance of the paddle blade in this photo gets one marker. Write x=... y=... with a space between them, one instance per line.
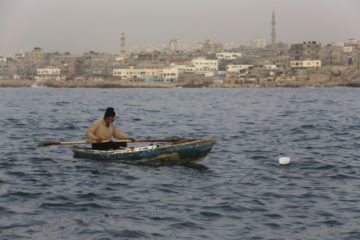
x=47 y=143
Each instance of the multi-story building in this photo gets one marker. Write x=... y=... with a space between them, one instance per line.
x=202 y=64
x=211 y=47
x=127 y=74
x=3 y=68
x=33 y=60
x=95 y=65
x=70 y=71
x=305 y=63
x=7 y=68
x=170 y=74
x=238 y=67
x=181 y=61
x=185 y=68
x=333 y=54
x=352 y=45
x=149 y=56
x=57 y=59
x=64 y=61
x=52 y=71
x=305 y=51
x=35 y=57
x=228 y=55
x=281 y=61
x=20 y=66
x=48 y=73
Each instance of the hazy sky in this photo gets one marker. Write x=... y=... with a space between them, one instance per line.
x=82 y=25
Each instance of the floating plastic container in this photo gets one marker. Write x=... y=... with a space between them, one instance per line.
x=284 y=160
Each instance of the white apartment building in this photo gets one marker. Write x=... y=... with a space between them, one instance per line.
x=237 y=68
x=202 y=64
x=305 y=63
x=125 y=73
x=170 y=74
x=48 y=73
x=2 y=59
x=132 y=74
x=228 y=55
x=185 y=68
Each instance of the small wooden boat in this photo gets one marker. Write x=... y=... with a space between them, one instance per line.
x=181 y=152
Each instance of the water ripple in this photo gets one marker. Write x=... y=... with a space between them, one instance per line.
x=240 y=192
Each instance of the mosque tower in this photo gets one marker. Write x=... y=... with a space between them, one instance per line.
x=273 y=29
x=122 y=45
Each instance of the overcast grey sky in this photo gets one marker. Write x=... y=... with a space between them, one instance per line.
x=82 y=25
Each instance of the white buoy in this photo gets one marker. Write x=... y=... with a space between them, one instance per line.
x=284 y=160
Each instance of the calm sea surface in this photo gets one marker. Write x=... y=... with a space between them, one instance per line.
x=241 y=194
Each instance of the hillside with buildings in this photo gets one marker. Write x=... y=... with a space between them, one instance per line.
x=211 y=64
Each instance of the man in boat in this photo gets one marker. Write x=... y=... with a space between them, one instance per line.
x=102 y=130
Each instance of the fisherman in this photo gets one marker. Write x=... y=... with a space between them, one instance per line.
x=102 y=130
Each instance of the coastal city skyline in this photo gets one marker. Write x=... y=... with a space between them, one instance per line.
x=203 y=45
x=83 y=26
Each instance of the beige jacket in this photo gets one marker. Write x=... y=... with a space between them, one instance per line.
x=99 y=131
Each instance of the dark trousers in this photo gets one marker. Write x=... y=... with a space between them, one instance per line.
x=108 y=145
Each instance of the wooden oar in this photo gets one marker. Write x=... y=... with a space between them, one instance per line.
x=51 y=143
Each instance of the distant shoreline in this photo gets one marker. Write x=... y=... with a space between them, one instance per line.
x=117 y=84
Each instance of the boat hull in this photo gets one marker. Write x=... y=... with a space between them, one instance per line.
x=190 y=151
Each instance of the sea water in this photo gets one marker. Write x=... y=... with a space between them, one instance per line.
x=241 y=192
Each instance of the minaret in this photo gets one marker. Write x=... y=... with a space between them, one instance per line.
x=122 y=45
x=273 y=29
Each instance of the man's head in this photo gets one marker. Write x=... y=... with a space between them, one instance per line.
x=109 y=115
